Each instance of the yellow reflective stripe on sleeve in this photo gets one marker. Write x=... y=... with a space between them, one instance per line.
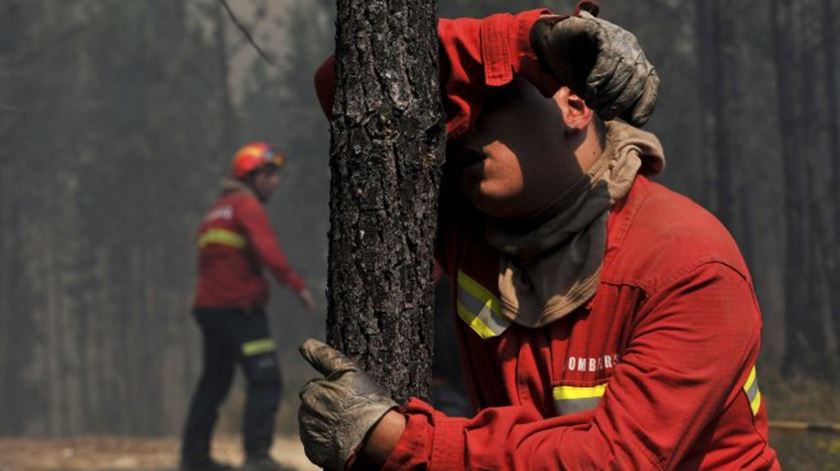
x=475 y=323
x=752 y=391
x=222 y=237
x=479 y=292
x=257 y=347
x=750 y=379
x=480 y=308
x=574 y=392
x=756 y=402
x=571 y=399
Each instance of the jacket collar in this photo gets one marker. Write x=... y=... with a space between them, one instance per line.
x=232 y=185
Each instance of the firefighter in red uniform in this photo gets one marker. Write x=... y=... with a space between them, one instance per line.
x=604 y=321
x=235 y=242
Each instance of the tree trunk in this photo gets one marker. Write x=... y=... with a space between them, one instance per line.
x=821 y=335
x=704 y=53
x=830 y=86
x=229 y=130
x=717 y=84
x=385 y=157
x=802 y=350
x=722 y=73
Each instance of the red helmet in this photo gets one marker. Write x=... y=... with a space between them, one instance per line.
x=254 y=156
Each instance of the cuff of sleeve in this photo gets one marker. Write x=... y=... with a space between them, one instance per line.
x=495 y=49
x=296 y=282
x=431 y=440
x=529 y=65
x=415 y=442
x=449 y=443
x=507 y=52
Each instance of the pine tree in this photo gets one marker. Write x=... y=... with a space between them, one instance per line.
x=386 y=154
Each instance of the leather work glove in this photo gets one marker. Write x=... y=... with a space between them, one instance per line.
x=601 y=62
x=337 y=411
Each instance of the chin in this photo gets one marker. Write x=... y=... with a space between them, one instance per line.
x=492 y=205
x=489 y=199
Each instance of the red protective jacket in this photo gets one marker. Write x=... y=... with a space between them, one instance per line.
x=235 y=241
x=657 y=371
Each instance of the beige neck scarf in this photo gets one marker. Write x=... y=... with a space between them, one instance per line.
x=550 y=270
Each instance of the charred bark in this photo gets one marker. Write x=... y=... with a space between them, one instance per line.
x=385 y=158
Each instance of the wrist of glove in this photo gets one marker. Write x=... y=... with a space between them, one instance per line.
x=337 y=411
x=601 y=62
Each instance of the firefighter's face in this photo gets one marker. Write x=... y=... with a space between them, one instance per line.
x=519 y=157
x=265 y=181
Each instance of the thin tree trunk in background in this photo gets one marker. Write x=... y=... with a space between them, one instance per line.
x=718 y=83
x=105 y=336
x=832 y=255
x=704 y=57
x=8 y=206
x=819 y=248
x=385 y=157
x=800 y=349
x=6 y=254
x=50 y=273
x=722 y=72
x=811 y=155
x=229 y=122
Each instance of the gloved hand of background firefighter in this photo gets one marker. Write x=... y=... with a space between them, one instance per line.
x=599 y=61
x=337 y=411
x=307 y=300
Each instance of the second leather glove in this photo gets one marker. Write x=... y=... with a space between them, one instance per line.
x=601 y=62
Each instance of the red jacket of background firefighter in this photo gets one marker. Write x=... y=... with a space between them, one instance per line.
x=236 y=240
x=655 y=371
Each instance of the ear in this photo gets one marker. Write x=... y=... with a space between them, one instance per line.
x=576 y=115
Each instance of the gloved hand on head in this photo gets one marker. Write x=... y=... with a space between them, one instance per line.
x=337 y=411
x=599 y=61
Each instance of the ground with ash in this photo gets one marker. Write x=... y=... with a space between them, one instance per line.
x=135 y=454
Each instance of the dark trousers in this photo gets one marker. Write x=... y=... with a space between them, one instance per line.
x=230 y=337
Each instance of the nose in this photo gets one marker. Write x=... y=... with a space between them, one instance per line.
x=469 y=156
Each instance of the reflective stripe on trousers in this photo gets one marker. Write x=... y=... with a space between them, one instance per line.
x=258 y=347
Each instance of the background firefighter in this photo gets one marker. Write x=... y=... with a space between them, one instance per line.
x=235 y=242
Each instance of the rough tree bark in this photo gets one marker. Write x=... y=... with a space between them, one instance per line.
x=385 y=158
